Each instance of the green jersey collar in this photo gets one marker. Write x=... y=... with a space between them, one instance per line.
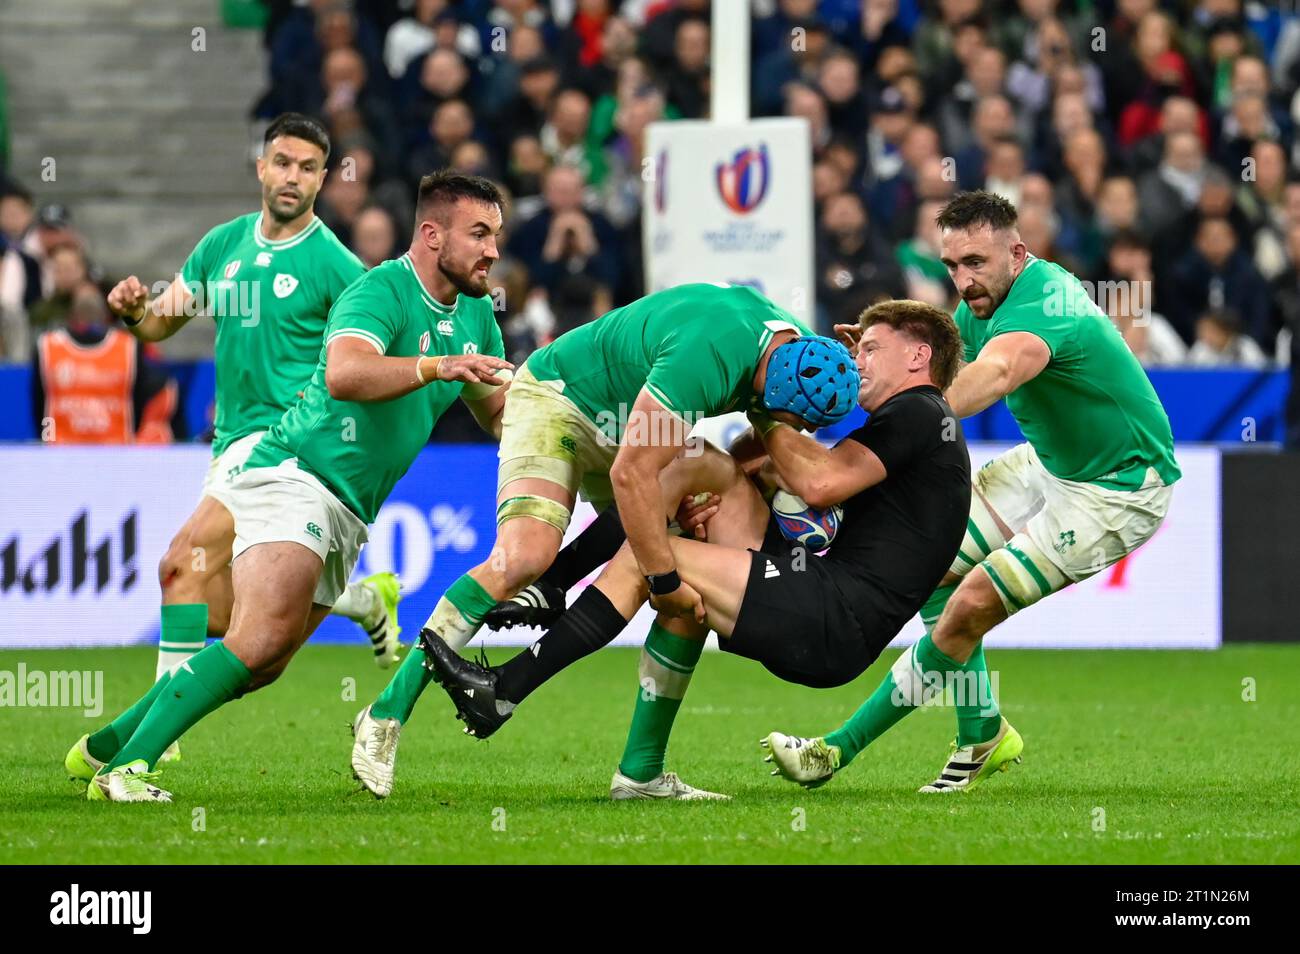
x=424 y=292
x=289 y=242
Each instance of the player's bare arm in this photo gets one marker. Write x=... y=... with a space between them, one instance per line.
x=635 y=478
x=355 y=371
x=822 y=476
x=1006 y=362
x=487 y=410
x=151 y=320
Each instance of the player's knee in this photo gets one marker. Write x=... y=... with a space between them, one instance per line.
x=972 y=610
x=516 y=563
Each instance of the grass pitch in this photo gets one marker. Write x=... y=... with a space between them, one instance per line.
x=1150 y=757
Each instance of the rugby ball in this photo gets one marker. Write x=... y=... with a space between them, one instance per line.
x=805 y=525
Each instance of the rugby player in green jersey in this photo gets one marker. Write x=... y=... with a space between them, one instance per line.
x=1091 y=484
x=268 y=280
x=606 y=409
x=402 y=342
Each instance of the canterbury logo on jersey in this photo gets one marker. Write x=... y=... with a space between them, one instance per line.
x=445 y=327
x=263 y=259
x=314 y=530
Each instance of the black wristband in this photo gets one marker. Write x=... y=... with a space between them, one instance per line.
x=131 y=324
x=663 y=583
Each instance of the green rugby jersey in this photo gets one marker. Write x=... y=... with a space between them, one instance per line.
x=270 y=301
x=694 y=347
x=360 y=449
x=1091 y=415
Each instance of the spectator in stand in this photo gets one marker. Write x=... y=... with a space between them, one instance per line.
x=1120 y=66
x=1173 y=187
x=840 y=85
x=1216 y=274
x=565 y=239
x=1031 y=81
x=620 y=193
x=70 y=273
x=617 y=46
x=891 y=201
x=994 y=119
x=1129 y=300
x=788 y=65
x=526 y=112
x=1178 y=114
x=1005 y=169
x=1221 y=343
x=891 y=121
x=498 y=88
x=1164 y=73
x=344 y=97
x=509 y=15
x=804 y=101
x=774 y=33
x=20 y=290
x=17 y=213
x=524 y=173
x=452 y=125
x=472 y=158
x=985 y=76
x=564 y=135
x=301 y=42
x=374 y=235
x=932 y=43
x=659 y=37
x=1246 y=123
x=1117 y=206
x=1262 y=200
x=581 y=43
x=91 y=383
x=416 y=35
x=853 y=263
x=432 y=80
x=686 y=78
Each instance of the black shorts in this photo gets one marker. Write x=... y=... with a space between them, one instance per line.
x=796 y=622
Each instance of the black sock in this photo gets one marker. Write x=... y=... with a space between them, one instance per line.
x=591 y=548
x=590 y=623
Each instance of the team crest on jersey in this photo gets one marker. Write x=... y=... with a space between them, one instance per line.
x=445 y=327
x=471 y=348
x=425 y=340
x=284 y=285
x=232 y=267
x=263 y=259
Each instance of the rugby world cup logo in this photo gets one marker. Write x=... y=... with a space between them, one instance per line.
x=743 y=182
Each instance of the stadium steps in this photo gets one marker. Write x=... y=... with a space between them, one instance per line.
x=150 y=138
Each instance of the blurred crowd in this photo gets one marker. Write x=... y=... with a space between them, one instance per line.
x=1150 y=146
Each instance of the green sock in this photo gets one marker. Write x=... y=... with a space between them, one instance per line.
x=915 y=676
x=398 y=698
x=456 y=618
x=933 y=607
x=980 y=720
x=105 y=743
x=205 y=683
x=667 y=662
x=183 y=631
